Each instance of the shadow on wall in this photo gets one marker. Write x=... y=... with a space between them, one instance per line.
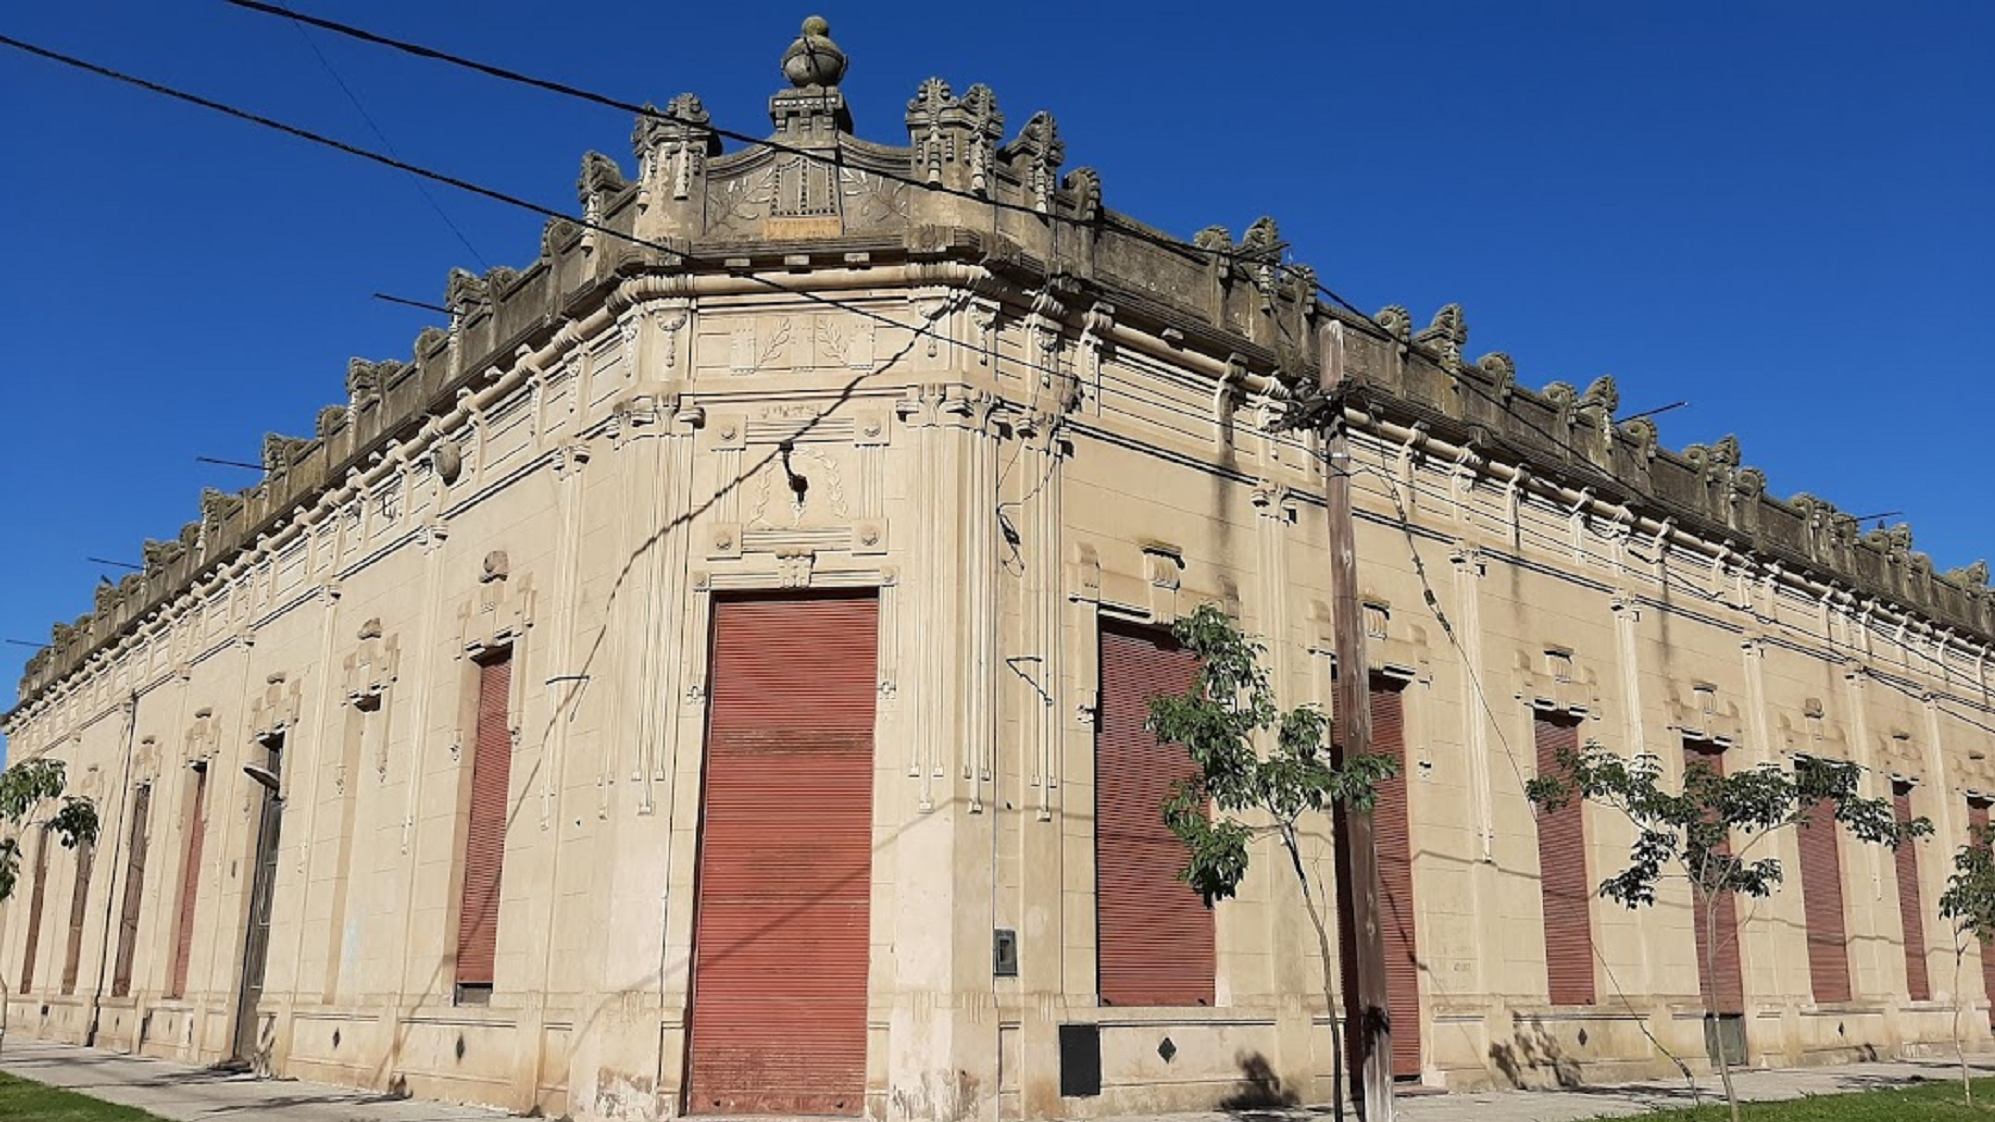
x=1259 y=1087
x=1533 y=1057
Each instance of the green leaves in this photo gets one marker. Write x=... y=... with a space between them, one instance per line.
x=1229 y=709
x=27 y=784
x=1969 y=901
x=1691 y=831
x=24 y=788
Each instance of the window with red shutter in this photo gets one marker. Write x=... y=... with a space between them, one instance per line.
x=1822 y=904
x=1154 y=934
x=1726 y=996
x=1392 y=838
x=79 y=904
x=1562 y=883
x=35 y=904
x=128 y=918
x=485 y=832
x=190 y=883
x=1977 y=820
x=1918 y=987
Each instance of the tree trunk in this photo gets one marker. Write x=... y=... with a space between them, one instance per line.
x=1711 y=972
x=1330 y=1005
x=1960 y=1045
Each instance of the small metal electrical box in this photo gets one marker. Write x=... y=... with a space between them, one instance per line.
x=1004 y=953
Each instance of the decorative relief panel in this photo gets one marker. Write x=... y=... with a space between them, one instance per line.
x=277 y=709
x=1552 y=678
x=498 y=611
x=760 y=345
x=370 y=669
x=804 y=482
x=1696 y=711
x=843 y=341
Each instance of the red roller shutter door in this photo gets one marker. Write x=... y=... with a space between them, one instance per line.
x=1154 y=935
x=1822 y=901
x=190 y=884
x=35 y=905
x=782 y=921
x=1392 y=838
x=1730 y=995
x=1568 y=898
x=485 y=831
x=128 y=915
x=79 y=902
x=1977 y=818
x=1918 y=986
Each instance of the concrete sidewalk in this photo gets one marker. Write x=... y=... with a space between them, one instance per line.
x=1626 y=1099
x=188 y=1094
x=193 y=1094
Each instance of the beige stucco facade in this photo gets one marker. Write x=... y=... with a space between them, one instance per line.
x=1014 y=420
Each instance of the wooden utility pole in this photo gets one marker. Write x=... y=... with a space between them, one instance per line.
x=1367 y=1022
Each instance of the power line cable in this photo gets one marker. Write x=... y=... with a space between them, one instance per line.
x=497 y=195
x=483 y=264
x=651 y=112
x=386 y=142
x=512 y=200
x=1367 y=325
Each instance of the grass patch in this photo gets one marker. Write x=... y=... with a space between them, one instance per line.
x=25 y=1098
x=1919 y=1102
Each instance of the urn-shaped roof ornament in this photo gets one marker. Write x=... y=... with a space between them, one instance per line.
x=814 y=60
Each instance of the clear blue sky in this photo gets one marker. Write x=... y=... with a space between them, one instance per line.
x=1780 y=211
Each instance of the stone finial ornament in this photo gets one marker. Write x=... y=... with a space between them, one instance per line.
x=600 y=176
x=465 y=291
x=1501 y=369
x=954 y=139
x=1896 y=540
x=366 y=381
x=1085 y=183
x=217 y=506
x=1036 y=155
x=1446 y=336
x=555 y=234
x=499 y=278
x=673 y=147
x=280 y=451
x=363 y=381
x=684 y=118
x=1603 y=395
x=1213 y=237
x=1643 y=432
x=159 y=554
x=1814 y=511
x=814 y=60
x=331 y=419
x=1397 y=322
x=1970 y=576
x=1263 y=240
x=1714 y=459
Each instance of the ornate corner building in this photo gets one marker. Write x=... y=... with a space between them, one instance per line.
x=710 y=677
